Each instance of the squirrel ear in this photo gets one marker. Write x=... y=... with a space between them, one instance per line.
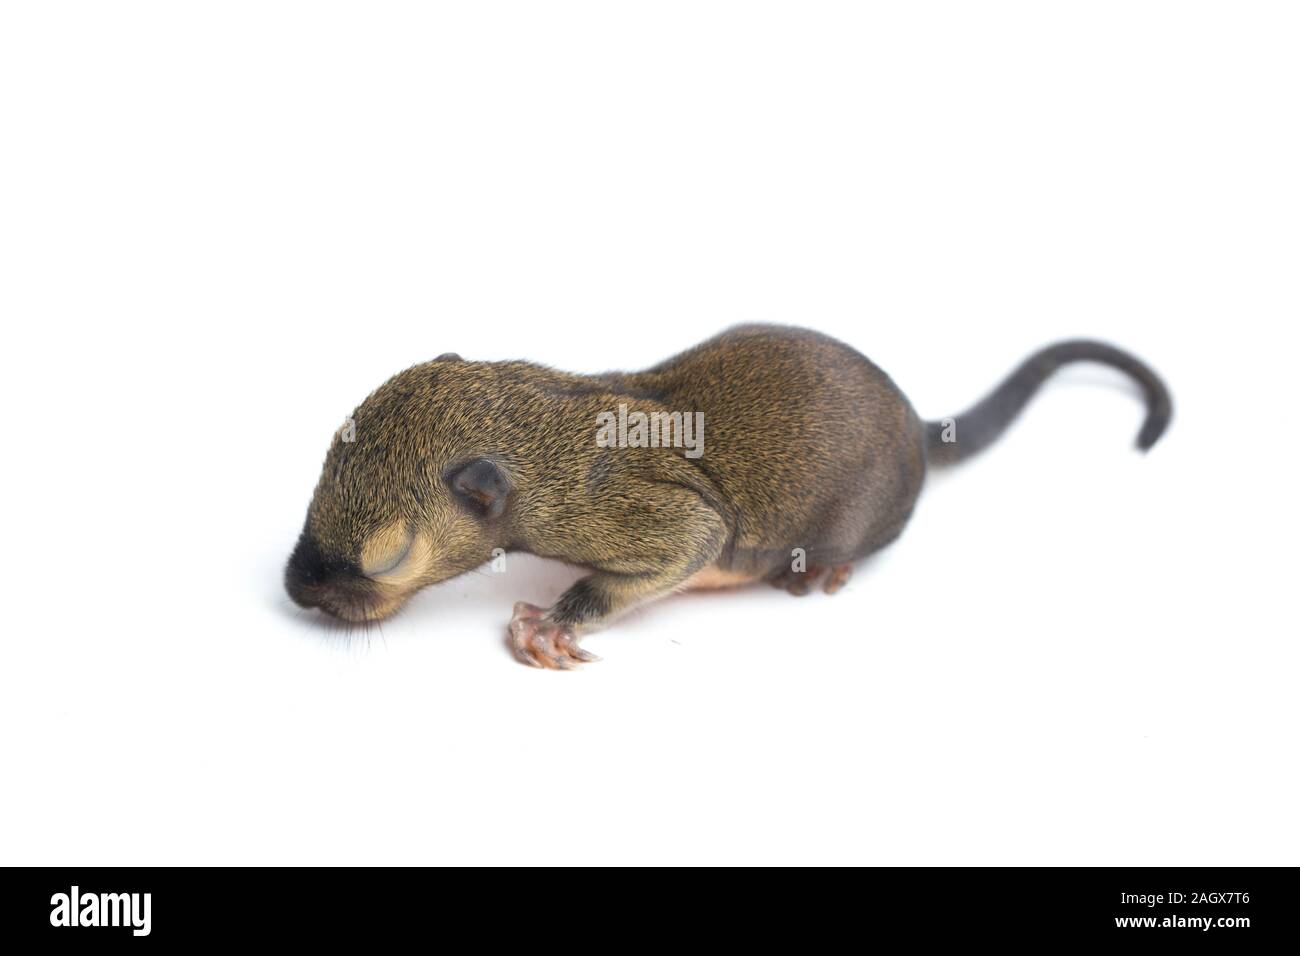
x=481 y=485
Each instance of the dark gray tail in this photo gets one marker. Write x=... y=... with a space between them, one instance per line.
x=954 y=440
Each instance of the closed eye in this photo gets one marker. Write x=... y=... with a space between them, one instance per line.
x=390 y=562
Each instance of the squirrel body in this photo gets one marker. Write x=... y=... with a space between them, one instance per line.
x=808 y=458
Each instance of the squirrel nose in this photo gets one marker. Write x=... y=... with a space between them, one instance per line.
x=310 y=568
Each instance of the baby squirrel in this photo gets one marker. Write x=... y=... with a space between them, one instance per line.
x=806 y=445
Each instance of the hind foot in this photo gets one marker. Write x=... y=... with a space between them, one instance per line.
x=838 y=577
x=541 y=643
x=800 y=583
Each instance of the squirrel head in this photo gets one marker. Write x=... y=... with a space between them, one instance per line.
x=408 y=496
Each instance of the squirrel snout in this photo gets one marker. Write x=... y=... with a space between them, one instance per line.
x=316 y=579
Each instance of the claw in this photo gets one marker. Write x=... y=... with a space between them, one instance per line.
x=571 y=647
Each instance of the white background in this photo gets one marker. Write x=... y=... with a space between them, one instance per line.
x=222 y=225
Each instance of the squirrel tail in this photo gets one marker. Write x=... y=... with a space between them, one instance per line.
x=954 y=440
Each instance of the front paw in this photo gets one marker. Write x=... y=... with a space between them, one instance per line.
x=543 y=643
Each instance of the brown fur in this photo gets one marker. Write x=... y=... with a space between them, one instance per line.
x=807 y=445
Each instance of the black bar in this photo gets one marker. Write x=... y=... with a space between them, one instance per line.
x=1225 y=907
